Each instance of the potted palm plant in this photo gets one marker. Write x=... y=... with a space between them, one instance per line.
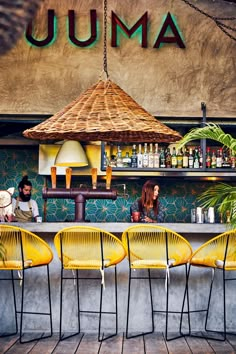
x=221 y=195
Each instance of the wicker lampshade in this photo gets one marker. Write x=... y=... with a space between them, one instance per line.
x=103 y=112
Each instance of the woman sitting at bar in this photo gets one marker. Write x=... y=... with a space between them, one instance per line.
x=148 y=205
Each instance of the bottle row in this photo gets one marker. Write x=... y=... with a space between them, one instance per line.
x=152 y=156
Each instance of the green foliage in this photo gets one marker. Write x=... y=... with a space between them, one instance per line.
x=221 y=196
x=210 y=131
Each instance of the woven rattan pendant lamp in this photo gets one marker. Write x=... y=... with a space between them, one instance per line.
x=104 y=112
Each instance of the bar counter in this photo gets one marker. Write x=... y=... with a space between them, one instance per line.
x=118 y=228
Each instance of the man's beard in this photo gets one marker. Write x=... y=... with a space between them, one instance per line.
x=25 y=197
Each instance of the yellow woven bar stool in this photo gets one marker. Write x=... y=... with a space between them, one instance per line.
x=21 y=251
x=219 y=256
x=83 y=248
x=153 y=248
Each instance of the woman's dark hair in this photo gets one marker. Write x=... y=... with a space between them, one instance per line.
x=147 y=197
x=24 y=182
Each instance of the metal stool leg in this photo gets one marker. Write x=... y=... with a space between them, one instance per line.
x=100 y=337
x=14 y=304
x=61 y=336
x=23 y=312
x=128 y=305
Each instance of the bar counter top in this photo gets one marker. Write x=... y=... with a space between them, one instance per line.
x=119 y=227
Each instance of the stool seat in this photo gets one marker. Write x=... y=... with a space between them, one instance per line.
x=22 y=251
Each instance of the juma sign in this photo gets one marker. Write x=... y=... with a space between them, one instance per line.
x=168 y=33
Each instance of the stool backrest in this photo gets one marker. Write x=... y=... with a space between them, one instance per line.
x=220 y=251
x=88 y=247
x=149 y=242
x=21 y=248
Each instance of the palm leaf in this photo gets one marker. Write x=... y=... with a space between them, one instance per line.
x=210 y=131
x=223 y=197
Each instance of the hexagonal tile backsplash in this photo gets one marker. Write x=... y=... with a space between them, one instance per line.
x=177 y=196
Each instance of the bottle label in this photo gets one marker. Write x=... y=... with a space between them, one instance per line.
x=145 y=160
x=174 y=161
x=190 y=162
x=140 y=161
x=185 y=161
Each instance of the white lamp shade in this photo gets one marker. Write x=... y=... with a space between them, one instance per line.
x=71 y=154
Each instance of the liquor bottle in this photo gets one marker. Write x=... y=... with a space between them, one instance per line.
x=200 y=157
x=196 y=159
x=219 y=158
x=213 y=159
x=226 y=159
x=232 y=159
x=140 y=157
x=112 y=162
x=150 y=156
x=105 y=160
x=179 y=159
x=119 y=160
x=145 y=156
x=168 y=158
x=134 y=157
x=190 y=158
x=185 y=158
x=156 y=157
x=208 y=158
x=162 y=158
x=127 y=160
x=173 y=158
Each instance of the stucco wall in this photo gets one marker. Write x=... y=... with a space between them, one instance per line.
x=168 y=81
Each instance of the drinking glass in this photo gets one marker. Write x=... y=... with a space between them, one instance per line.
x=193 y=215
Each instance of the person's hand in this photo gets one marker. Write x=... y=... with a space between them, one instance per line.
x=147 y=219
x=9 y=218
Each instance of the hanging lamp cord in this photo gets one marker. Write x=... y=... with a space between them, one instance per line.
x=105 y=38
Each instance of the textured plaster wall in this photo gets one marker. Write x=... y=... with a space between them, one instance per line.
x=168 y=81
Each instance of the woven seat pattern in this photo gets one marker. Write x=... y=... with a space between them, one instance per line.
x=148 y=247
x=212 y=253
x=22 y=249
x=81 y=247
x=103 y=112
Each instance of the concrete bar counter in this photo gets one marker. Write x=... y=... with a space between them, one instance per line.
x=117 y=228
x=140 y=321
